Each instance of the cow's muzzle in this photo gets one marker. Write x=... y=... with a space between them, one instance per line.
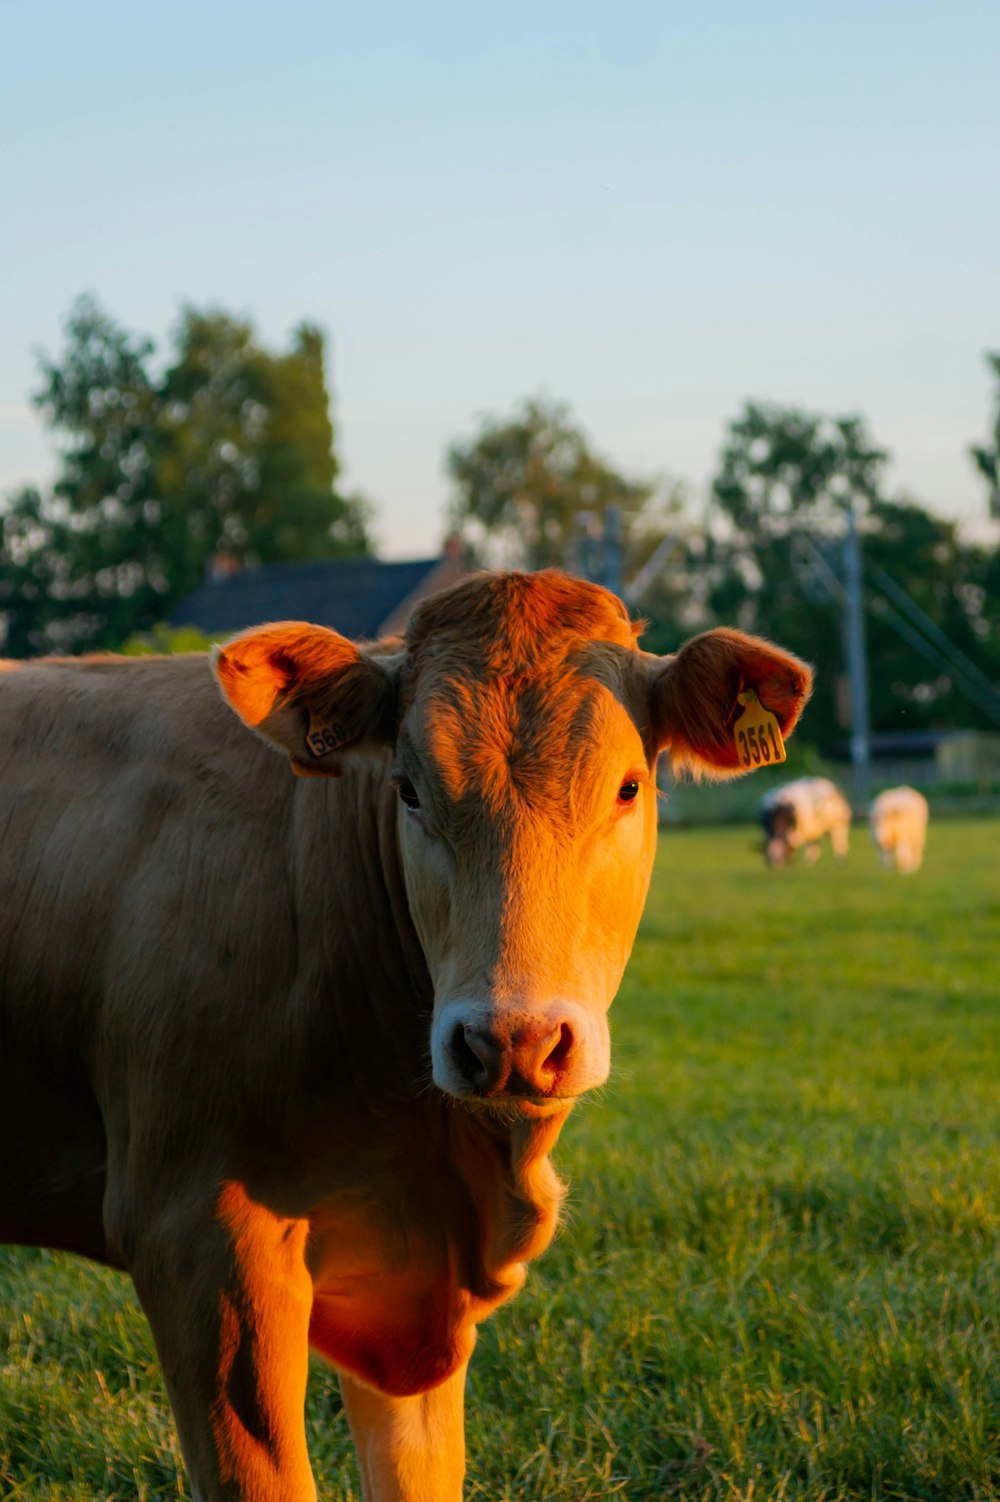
x=482 y=1053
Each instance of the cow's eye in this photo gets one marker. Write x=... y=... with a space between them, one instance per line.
x=407 y=794
x=628 y=791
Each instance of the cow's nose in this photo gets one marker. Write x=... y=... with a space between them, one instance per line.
x=529 y=1061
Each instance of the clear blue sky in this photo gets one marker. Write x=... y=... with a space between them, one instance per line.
x=651 y=212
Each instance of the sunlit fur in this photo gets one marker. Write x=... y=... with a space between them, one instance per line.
x=224 y=988
x=518 y=750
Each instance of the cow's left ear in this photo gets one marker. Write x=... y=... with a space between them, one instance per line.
x=694 y=697
x=310 y=692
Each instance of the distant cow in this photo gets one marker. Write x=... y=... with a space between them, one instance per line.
x=294 y=1050
x=898 y=819
x=798 y=814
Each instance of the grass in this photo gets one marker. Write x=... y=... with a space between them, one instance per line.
x=778 y=1280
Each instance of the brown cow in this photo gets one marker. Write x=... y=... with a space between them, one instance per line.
x=294 y=1051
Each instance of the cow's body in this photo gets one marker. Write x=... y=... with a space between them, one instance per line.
x=898 y=820
x=796 y=816
x=294 y=1051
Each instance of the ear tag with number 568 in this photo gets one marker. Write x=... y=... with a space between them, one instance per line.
x=757 y=733
x=321 y=737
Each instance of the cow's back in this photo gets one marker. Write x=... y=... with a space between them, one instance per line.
x=118 y=807
x=819 y=806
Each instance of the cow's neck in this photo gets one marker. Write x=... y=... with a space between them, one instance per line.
x=357 y=943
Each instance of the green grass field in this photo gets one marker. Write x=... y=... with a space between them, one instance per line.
x=778 y=1277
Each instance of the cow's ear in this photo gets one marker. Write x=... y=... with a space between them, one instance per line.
x=694 y=697
x=310 y=692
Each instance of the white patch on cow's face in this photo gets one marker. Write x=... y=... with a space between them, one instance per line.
x=526 y=880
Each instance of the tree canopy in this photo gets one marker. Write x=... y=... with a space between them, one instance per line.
x=768 y=556
x=225 y=451
x=782 y=467
x=774 y=567
x=532 y=480
x=229 y=450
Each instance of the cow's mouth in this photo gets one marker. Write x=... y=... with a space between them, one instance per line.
x=512 y=1109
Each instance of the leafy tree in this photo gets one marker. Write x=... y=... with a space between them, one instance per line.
x=526 y=482
x=783 y=481
x=247 y=451
x=229 y=451
x=774 y=565
x=986 y=457
x=953 y=583
x=782 y=467
x=76 y=567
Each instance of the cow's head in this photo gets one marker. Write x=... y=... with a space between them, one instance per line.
x=521 y=726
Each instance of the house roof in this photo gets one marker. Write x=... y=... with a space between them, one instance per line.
x=359 y=597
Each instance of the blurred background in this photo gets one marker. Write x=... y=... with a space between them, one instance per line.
x=305 y=311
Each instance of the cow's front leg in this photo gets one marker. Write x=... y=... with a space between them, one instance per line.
x=228 y=1296
x=409 y=1449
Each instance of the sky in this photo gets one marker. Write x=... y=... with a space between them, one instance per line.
x=652 y=213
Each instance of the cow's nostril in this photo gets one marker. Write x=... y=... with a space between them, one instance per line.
x=476 y=1055
x=558 y=1056
x=468 y=1065
x=536 y=1058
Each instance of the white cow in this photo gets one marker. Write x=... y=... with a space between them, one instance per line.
x=797 y=814
x=898 y=819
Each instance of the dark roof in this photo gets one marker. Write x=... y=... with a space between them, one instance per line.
x=352 y=595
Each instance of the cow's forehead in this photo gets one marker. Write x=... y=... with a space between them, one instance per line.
x=533 y=735
x=514 y=691
x=504 y=624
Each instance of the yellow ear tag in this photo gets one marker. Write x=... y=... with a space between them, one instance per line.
x=757 y=734
x=321 y=737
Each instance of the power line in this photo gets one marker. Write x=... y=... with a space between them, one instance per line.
x=989 y=705
x=930 y=628
x=650 y=570
x=914 y=627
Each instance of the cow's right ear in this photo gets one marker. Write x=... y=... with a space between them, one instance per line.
x=310 y=692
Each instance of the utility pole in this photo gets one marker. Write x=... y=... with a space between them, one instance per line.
x=584 y=551
x=612 y=570
x=857 y=662
x=597 y=547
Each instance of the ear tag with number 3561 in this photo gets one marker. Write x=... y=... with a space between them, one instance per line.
x=757 y=733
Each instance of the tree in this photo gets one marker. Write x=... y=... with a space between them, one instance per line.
x=784 y=477
x=774 y=565
x=526 y=481
x=953 y=583
x=782 y=467
x=229 y=451
x=76 y=567
x=247 y=451
x=986 y=457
